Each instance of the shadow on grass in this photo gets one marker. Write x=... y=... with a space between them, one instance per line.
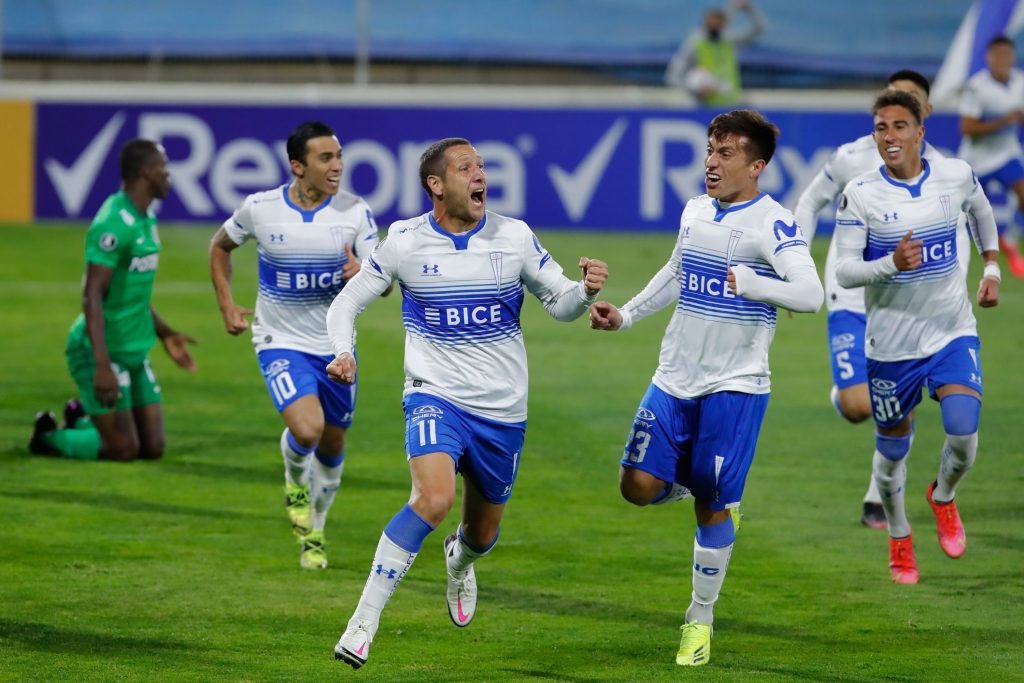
x=546 y=675
x=49 y=638
x=122 y=504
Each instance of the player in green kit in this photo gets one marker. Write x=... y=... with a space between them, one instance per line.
x=108 y=345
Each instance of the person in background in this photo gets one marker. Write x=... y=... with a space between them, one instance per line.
x=706 y=63
x=119 y=416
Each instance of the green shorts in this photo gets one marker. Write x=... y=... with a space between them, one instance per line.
x=135 y=379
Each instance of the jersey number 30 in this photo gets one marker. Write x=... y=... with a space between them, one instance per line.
x=887 y=408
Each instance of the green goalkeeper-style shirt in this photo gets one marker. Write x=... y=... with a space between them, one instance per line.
x=125 y=240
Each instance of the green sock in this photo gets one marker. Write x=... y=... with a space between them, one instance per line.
x=81 y=443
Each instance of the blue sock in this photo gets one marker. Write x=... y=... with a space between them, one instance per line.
x=331 y=460
x=407 y=530
x=717 y=535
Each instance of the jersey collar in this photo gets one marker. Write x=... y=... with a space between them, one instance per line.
x=307 y=216
x=720 y=212
x=915 y=189
x=461 y=241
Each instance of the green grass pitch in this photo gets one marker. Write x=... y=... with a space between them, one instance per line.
x=185 y=569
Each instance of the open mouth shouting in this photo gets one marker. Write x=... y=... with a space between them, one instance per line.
x=478 y=197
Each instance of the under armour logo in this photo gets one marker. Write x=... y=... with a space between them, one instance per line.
x=277 y=237
x=428 y=269
x=389 y=572
x=895 y=216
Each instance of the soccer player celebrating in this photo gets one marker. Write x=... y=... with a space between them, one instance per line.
x=896 y=237
x=846 y=317
x=463 y=272
x=739 y=254
x=990 y=114
x=108 y=345
x=310 y=237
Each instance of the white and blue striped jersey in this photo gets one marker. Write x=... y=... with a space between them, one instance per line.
x=301 y=254
x=718 y=340
x=461 y=298
x=847 y=162
x=912 y=314
x=985 y=99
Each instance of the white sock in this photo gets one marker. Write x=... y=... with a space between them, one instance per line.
x=390 y=563
x=296 y=463
x=709 y=567
x=891 y=477
x=958 y=454
x=324 y=484
x=463 y=557
x=872 y=495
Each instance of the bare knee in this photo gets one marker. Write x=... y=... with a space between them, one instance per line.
x=855 y=413
x=432 y=506
x=855 y=403
x=307 y=433
x=121 y=449
x=639 y=488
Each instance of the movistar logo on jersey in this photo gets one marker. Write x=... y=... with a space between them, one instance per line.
x=143 y=264
x=461 y=316
x=781 y=229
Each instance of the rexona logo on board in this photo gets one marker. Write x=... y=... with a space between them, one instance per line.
x=595 y=169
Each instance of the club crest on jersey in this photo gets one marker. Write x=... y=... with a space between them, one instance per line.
x=431 y=270
x=734 y=240
x=496 y=269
